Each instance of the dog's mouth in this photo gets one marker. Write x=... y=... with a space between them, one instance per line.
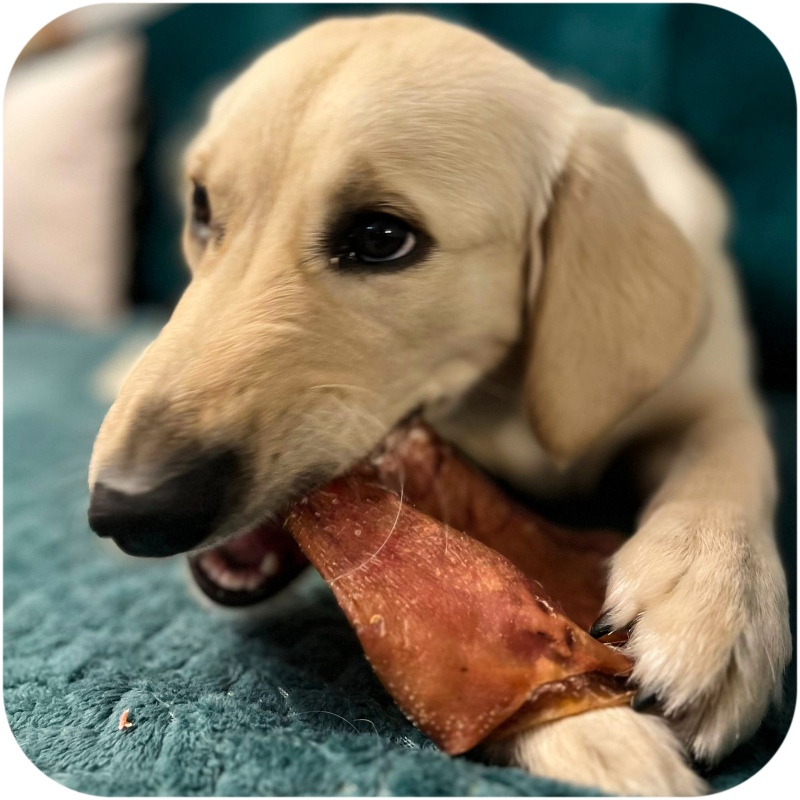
x=256 y=564
x=424 y=472
x=248 y=568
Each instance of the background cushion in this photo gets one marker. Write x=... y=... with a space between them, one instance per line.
x=69 y=154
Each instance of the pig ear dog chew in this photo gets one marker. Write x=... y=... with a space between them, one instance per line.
x=462 y=630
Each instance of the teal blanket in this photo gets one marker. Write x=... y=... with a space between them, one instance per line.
x=282 y=705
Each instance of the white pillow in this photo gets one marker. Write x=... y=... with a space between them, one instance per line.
x=69 y=151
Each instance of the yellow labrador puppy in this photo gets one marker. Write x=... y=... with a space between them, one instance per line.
x=395 y=213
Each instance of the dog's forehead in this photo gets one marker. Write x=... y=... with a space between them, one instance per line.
x=392 y=79
x=395 y=54
x=428 y=106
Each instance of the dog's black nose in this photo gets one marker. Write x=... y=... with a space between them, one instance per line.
x=172 y=517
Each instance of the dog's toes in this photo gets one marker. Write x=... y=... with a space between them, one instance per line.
x=644 y=701
x=708 y=625
x=602 y=627
x=698 y=669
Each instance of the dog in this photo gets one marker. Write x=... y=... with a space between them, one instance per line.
x=395 y=213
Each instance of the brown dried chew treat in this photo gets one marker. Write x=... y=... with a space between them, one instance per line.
x=458 y=635
x=569 y=565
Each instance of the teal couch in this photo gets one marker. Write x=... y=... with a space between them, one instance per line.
x=286 y=704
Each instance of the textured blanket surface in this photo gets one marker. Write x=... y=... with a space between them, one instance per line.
x=283 y=704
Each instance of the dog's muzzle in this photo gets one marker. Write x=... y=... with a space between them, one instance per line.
x=171 y=517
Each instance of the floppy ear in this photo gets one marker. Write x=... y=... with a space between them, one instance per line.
x=620 y=299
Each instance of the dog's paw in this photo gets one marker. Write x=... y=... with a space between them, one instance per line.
x=705 y=597
x=612 y=749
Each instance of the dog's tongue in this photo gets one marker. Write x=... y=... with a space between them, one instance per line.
x=465 y=642
x=251 y=549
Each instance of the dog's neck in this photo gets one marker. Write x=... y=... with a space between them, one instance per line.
x=489 y=424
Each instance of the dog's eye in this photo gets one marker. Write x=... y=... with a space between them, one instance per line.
x=201 y=210
x=375 y=239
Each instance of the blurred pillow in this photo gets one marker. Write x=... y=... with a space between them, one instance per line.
x=69 y=153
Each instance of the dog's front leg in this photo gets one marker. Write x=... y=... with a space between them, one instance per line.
x=702 y=588
x=702 y=585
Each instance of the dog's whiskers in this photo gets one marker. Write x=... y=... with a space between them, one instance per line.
x=362 y=429
x=342 y=386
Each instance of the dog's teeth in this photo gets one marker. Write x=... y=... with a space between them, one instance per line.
x=215 y=570
x=230 y=580
x=237 y=580
x=218 y=575
x=253 y=582
x=269 y=565
x=226 y=581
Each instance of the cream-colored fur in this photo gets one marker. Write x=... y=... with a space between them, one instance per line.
x=618 y=749
x=577 y=298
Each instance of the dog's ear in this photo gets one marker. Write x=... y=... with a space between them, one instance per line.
x=619 y=301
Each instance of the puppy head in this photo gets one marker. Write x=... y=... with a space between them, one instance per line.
x=363 y=205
